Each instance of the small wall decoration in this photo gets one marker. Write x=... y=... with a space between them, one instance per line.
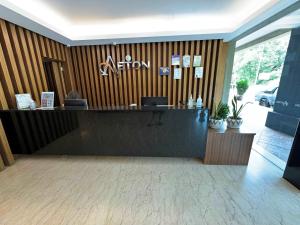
x=186 y=60
x=177 y=73
x=175 y=60
x=164 y=71
x=197 y=61
x=47 y=100
x=23 y=101
x=128 y=58
x=198 y=72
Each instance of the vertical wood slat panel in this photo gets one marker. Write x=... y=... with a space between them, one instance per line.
x=88 y=85
x=11 y=62
x=32 y=60
x=129 y=83
x=42 y=46
x=170 y=80
x=139 y=78
x=3 y=102
x=27 y=62
x=68 y=70
x=109 y=79
x=125 y=77
x=59 y=53
x=91 y=75
x=41 y=71
x=6 y=79
x=154 y=75
x=95 y=74
x=158 y=77
x=19 y=59
x=62 y=80
x=101 y=78
x=220 y=72
x=74 y=66
x=144 y=77
x=191 y=72
x=196 y=83
x=203 y=60
x=207 y=74
x=185 y=77
x=53 y=49
x=2 y=166
x=182 y=74
x=134 y=80
x=213 y=74
x=175 y=82
x=149 y=72
x=115 y=89
x=5 y=150
x=81 y=73
x=57 y=76
x=105 y=79
x=120 y=78
x=164 y=64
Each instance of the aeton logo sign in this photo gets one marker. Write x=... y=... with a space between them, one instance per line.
x=115 y=68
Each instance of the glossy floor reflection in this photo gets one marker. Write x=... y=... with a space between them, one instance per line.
x=136 y=190
x=275 y=142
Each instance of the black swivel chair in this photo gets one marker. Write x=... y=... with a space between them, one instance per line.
x=75 y=101
x=154 y=101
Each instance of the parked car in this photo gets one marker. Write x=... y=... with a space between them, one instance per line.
x=266 y=98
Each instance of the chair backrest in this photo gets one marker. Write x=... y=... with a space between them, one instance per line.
x=75 y=102
x=153 y=101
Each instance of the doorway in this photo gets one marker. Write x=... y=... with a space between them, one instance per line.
x=55 y=77
x=256 y=76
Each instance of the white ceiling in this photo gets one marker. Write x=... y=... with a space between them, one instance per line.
x=84 y=21
x=287 y=22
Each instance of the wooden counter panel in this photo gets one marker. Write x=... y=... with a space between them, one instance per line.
x=1 y=164
x=228 y=148
x=5 y=151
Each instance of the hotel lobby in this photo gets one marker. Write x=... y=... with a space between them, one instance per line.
x=149 y=112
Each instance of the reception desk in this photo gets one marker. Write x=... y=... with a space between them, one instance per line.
x=115 y=131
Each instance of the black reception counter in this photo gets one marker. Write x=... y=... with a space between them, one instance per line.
x=115 y=131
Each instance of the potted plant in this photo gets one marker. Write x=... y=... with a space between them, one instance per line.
x=235 y=121
x=221 y=112
x=241 y=87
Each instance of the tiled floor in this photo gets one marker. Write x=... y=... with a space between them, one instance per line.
x=268 y=140
x=145 y=191
x=276 y=143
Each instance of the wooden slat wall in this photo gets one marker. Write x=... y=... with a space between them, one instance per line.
x=21 y=63
x=132 y=84
x=21 y=69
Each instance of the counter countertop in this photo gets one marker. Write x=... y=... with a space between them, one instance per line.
x=113 y=108
x=225 y=130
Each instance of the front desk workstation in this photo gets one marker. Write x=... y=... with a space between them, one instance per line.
x=116 y=131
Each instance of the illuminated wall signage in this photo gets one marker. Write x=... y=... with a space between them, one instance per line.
x=116 y=67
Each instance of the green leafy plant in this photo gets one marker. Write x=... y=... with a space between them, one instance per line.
x=235 y=109
x=221 y=112
x=242 y=86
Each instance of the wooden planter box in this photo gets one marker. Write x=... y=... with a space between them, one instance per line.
x=229 y=147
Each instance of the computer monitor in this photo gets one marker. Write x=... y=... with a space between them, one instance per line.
x=154 y=101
